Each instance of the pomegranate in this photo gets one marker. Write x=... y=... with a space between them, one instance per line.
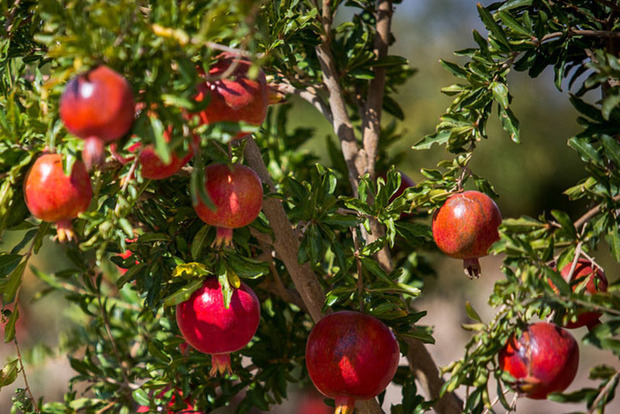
x=544 y=359
x=55 y=197
x=125 y=255
x=97 y=106
x=237 y=193
x=207 y=325
x=236 y=97
x=595 y=281
x=350 y=356
x=465 y=227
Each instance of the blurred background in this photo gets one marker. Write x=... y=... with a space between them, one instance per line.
x=530 y=179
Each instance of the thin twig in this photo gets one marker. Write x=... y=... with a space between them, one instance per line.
x=590 y=214
x=604 y=392
x=23 y=371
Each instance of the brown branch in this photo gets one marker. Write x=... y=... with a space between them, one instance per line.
x=572 y=32
x=371 y=125
x=286 y=243
x=590 y=214
x=354 y=155
x=309 y=94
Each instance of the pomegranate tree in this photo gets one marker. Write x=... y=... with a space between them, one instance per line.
x=595 y=281
x=351 y=356
x=237 y=193
x=169 y=410
x=233 y=96
x=465 y=227
x=544 y=359
x=97 y=106
x=211 y=327
x=55 y=197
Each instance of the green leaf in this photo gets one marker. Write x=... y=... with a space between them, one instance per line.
x=471 y=312
x=513 y=23
x=141 y=397
x=184 y=293
x=440 y=138
x=609 y=104
x=9 y=327
x=199 y=241
x=454 y=69
x=500 y=93
x=613 y=240
x=14 y=280
x=586 y=150
x=565 y=222
x=8 y=375
x=491 y=24
x=612 y=148
x=8 y=262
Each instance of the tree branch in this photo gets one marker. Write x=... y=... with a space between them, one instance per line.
x=593 y=212
x=354 y=155
x=286 y=242
x=371 y=125
x=309 y=94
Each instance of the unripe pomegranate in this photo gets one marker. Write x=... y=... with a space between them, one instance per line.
x=595 y=281
x=236 y=97
x=351 y=356
x=237 y=193
x=97 y=106
x=465 y=227
x=544 y=359
x=55 y=197
x=207 y=325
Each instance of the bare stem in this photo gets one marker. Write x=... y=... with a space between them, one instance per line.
x=23 y=371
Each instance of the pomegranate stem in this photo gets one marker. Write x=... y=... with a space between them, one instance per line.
x=64 y=231
x=223 y=237
x=471 y=267
x=344 y=405
x=93 y=153
x=220 y=363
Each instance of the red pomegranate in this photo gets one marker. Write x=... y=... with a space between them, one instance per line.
x=55 y=197
x=207 y=325
x=465 y=227
x=236 y=97
x=595 y=281
x=544 y=359
x=237 y=193
x=97 y=106
x=351 y=356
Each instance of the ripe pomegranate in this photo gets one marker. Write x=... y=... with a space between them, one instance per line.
x=207 y=325
x=596 y=282
x=55 y=197
x=236 y=97
x=465 y=227
x=126 y=254
x=544 y=359
x=237 y=193
x=351 y=356
x=97 y=106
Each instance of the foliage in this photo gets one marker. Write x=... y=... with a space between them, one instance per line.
x=124 y=345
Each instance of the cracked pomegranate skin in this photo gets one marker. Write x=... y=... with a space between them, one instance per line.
x=98 y=103
x=351 y=355
x=596 y=282
x=236 y=97
x=53 y=196
x=544 y=359
x=466 y=225
x=209 y=327
x=236 y=191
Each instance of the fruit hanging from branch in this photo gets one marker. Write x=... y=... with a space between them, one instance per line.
x=237 y=193
x=595 y=281
x=543 y=359
x=55 y=197
x=208 y=325
x=97 y=106
x=351 y=356
x=233 y=96
x=465 y=227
